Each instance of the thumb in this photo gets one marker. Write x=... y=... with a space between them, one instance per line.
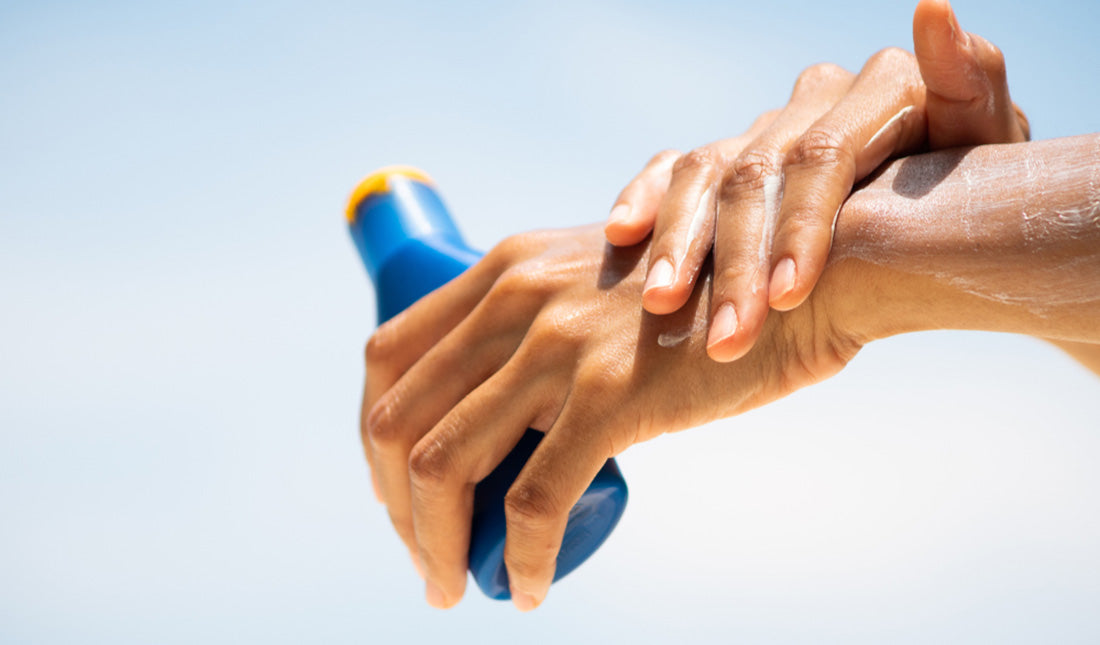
x=968 y=102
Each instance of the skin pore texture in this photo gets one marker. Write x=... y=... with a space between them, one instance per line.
x=1013 y=224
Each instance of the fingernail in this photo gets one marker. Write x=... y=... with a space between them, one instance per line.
x=660 y=276
x=723 y=325
x=782 y=280
x=620 y=214
x=523 y=601
x=434 y=595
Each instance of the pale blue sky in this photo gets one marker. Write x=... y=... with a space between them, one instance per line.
x=182 y=321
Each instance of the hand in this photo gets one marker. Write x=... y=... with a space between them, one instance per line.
x=545 y=332
x=767 y=200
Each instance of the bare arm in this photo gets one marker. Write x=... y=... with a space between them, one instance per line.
x=1000 y=238
x=1087 y=354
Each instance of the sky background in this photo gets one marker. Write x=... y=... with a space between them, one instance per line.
x=182 y=320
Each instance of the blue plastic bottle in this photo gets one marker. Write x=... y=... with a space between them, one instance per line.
x=410 y=247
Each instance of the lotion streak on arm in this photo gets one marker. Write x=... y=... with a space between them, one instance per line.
x=1016 y=224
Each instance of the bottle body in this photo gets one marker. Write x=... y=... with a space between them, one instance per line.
x=410 y=247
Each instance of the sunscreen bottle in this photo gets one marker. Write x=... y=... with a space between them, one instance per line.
x=410 y=246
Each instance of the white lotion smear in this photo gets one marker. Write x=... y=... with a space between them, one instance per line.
x=773 y=193
x=1016 y=224
x=882 y=143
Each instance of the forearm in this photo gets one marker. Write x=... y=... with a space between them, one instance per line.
x=999 y=238
x=1087 y=354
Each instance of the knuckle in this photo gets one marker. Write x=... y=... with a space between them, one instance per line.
x=890 y=58
x=382 y=426
x=529 y=506
x=517 y=284
x=502 y=252
x=541 y=336
x=382 y=344
x=819 y=148
x=750 y=170
x=992 y=60
x=816 y=75
x=764 y=119
x=559 y=330
x=430 y=462
x=700 y=160
x=549 y=342
x=664 y=156
x=602 y=379
x=729 y=279
x=511 y=245
x=808 y=227
x=511 y=249
x=511 y=284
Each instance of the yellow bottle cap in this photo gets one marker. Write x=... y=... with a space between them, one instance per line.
x=379 y=182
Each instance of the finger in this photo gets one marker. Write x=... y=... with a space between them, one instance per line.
x=880 y=116
x=631 y=218
x=401 y=341
x=448 y=372
x=684 y=230
x=537 y=505
x=747 y=209
x=445 y=465
x=968 y=97
x=363 y=412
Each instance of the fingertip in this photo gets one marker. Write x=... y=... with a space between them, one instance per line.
x=723 y=343
x=441 y=594
x=781 y=287
x=528 y=600
x=730 y=349
x=524 y=601
x=723 y=324
x=627 y=225
x=435 y=596
x=746 y=320
x=663 y=301
x=661 y=294
x=725 y=351
x=624 y=233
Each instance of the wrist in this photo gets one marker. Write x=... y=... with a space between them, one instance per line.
x=865 y=301
x=996 y=238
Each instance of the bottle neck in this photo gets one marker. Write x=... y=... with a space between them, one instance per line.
x=386 y=221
